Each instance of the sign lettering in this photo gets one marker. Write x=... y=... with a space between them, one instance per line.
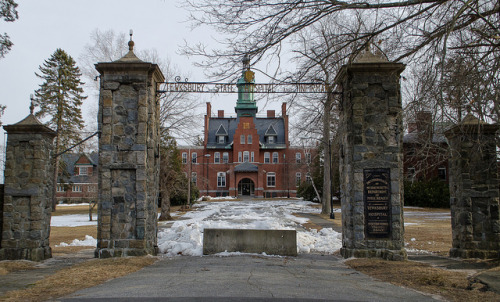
x=377 y=199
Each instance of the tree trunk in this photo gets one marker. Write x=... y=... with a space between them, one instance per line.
x=165 y=206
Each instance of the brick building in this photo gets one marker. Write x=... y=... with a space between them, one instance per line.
x=246 y=154
x=425 y=149
x=77 y=183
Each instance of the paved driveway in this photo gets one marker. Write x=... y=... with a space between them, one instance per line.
x=248 y=278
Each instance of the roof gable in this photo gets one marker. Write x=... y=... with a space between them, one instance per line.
x=271 y=131
x=221 y=130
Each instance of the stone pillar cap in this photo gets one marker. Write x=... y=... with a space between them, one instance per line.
x=471 y=122
x=29 y=124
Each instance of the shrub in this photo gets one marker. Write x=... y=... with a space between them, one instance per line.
x=432 y=193
x=306 y=191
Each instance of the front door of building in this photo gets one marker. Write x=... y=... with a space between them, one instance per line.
x=246 y=187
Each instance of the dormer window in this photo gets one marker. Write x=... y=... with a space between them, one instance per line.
x=221 y=135
x=271 y=135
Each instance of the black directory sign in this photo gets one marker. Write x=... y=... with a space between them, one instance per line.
x=377 y=198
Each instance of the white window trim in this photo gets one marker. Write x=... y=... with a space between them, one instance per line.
x=270 y=175
x=222 y=182
x=267 y=156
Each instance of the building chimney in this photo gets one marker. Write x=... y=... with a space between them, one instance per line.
x=283 y=109
x=209 y=109
x=271 y=113
x=220 y=113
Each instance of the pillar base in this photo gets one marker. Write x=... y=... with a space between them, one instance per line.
x=392 y=255
x=124 y=252
x=36 y=254
x=474 y=253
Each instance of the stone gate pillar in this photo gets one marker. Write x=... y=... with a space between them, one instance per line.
x=474 y=190
x=27 y=191
x=371 y=167
x=128 y=157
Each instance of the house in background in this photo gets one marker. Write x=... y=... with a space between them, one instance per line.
x=246 y=154
x=77 y=182
x=425 y=149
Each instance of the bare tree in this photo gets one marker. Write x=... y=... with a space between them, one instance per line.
x=178 y=116
x=410 y=29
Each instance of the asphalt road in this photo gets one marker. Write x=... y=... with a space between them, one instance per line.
x=247 y=278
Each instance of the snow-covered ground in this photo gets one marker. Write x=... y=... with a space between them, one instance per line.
x=74 y=220
x=185 y=237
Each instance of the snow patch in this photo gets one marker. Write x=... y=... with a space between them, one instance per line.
x=88 y=241
x=185 y=237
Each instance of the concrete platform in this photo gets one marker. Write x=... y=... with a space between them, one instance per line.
x=271 y=242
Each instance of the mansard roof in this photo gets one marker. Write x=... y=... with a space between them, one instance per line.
x=263 y=125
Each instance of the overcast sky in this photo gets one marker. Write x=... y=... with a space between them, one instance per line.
x=44 y=26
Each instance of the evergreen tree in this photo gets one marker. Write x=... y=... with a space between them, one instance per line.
x=60 y=98
x=8 y=12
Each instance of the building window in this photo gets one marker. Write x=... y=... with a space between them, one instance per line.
x=83 y=171
x=267 y=157
x=298 y=177
x=221 y=139
x=184 y=157
x=442 y=173
x=308 y=177
x=61 y=188
x=246 y=156
x=216 y=157
x=298 y=157
x=275 y=157
x=252 y=158
x=249 y=139
x=270 y=139
x=194 y=178
x=76 y=188
x=221 y=179
x=225 y=157
x=308 y=158
x=194 y=157
x=242 y=139
x=239 y=157
x=271 y=179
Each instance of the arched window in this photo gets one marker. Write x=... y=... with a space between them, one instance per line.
x=217 y=157
x=275 y=157
x=225 y=157
x=184 y=157
x=246 y=156
x=267 y=157
x=194 y=157
x=239 y=157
